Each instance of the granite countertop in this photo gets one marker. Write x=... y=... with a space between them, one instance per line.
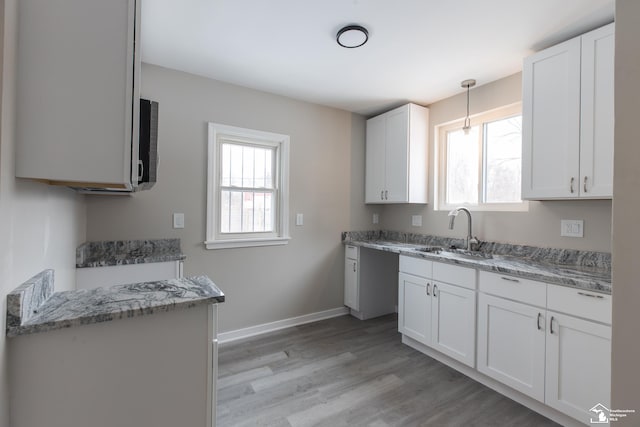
x=123 y=252
x=589 y=271
x=34 y=307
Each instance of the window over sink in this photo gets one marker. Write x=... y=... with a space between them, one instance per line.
x=247 y=195
x=481 y=169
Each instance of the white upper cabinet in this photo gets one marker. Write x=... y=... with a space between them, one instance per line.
x=568 y=119
x=78 y=99
x=396 y=156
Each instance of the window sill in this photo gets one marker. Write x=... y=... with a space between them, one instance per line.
x=489 y=207
x=246 y=243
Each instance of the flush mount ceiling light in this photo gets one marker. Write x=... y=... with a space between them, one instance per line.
x=468 y=84
x=352 y=36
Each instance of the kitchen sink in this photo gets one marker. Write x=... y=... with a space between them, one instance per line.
x=430 y=249
x=463 y=253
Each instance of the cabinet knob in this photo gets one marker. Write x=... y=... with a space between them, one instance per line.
x=585 y=184
x=571 y=184
x=428 y=287
x=354 y=267
x=386 y=194
x=435 y=289
x=551 y=324
x=382 y=195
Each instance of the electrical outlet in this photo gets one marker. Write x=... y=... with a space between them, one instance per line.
x=572 y=228
x=416 y=220
x=299 y=219
x=376 y=218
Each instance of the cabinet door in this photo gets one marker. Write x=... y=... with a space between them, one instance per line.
x=414 y=307
x=578 y=365
x=551 y=122
x=375 y=160
x=454 y=322
x=351 y=284
x=596 y=123
x=396 y=150
x=511 y=344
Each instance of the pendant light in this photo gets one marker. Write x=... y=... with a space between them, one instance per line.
x=468 y=84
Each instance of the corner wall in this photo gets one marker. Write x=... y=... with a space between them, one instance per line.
x=625 y=375
x=40 y=226
x=264 y=284
x=540 y=226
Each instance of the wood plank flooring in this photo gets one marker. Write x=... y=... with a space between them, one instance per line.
x=347 y=372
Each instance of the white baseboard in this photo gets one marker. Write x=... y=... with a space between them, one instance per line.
x=251 y=331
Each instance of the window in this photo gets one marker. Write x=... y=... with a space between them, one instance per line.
x=481 y=169
x=247 y=196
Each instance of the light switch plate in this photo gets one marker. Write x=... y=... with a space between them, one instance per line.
x=299 y=219
x=178 y=220
x=376 y=218
x=572 y=228
x=416 y=220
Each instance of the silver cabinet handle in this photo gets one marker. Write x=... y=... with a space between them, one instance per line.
x=382 y=195
x=428 y=287
x=354 y=267
x=551 y=324
x=585 y=184
x=435 y=288
x=509 y=279
x=386 y=194
x=590 y=295
x=538 y=322
x=571 y=184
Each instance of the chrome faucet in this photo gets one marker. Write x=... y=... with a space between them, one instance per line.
x=470 y=240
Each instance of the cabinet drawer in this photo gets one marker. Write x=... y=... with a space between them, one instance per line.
x=416 y=266
x=513 y=288
x=456 y=275
x=577 y=302
x=351 y=252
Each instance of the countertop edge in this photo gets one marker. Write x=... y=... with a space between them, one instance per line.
x=548 y=277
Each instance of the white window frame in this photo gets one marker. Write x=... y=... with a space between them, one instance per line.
x=219 y=133
x=441 y=161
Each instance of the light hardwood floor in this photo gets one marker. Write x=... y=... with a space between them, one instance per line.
x=347 y=372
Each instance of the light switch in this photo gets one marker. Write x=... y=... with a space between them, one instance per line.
x=376 y=218
x=416 y=220
x=299 y=219
x=178 y=220
x=572 y=228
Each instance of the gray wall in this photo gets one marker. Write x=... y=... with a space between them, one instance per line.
x=261 y=284
x=40 y=226
x=540 y=226
x=625 y=384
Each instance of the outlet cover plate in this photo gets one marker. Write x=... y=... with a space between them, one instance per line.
x=416 y=220
x=572 y=228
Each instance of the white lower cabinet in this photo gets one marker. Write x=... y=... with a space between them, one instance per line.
x=351 y=283
x=436 y=314
x=511 y=344
x=414 y=307
x=528 y=342
x=454 y=322
x=578 y=365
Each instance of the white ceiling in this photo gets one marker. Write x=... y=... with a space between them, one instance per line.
x=418 y=50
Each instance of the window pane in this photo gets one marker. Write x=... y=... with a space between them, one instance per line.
x=246 y=166
x=462 y=166
x=503 y=142
x=246 y=212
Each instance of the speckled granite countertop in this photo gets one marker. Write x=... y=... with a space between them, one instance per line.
x=34 y=307
x=122 y=252
x=579 y=269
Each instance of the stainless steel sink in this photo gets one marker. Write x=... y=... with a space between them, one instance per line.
x=463 y=253
x=430 y=249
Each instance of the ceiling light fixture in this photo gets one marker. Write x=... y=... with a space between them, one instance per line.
x=468 y=84
x=352 y=36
